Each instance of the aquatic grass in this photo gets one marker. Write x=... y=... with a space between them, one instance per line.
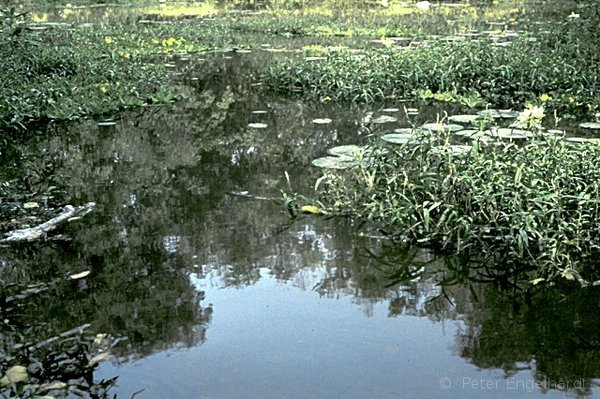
x=528 y=210
x=473 y=73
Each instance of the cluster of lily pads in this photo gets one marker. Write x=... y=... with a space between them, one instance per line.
x=480 y=131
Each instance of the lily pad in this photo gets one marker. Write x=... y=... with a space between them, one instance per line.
x=384 y=119
x=257 y=125
x=332 y=162
x=442 y=127
x=499 y=113
x=464 y=118
x=406 y=130
x=508 y=113
x=508 y=133
x=321 y=121
x=399 y=138
x=590 y=125
x=350 y=150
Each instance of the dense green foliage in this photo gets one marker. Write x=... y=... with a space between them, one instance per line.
x=530 y=208
x=45 y=77
x=502 y=76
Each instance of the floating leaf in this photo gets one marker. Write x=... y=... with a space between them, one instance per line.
x=508 y=113
x=334 y=162
x=590 y=125
x=406 y=130
x=313 y=210
x=490 y=113
x=351 y=150
x=321 y=121
x=464 y=118
x=399 y=138
x=14 y=375
x=499 y=113
x=257 y=125
x=442 y=127
x=384 y=119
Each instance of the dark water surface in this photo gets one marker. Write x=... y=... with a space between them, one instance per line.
x=220 y=295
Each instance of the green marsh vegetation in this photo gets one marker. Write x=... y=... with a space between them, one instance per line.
x=501 y=55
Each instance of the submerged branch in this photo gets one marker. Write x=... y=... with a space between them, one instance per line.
x=33 y=233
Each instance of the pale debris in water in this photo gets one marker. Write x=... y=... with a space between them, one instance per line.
x=78 y=276
x=257 y=125
x=14 y=375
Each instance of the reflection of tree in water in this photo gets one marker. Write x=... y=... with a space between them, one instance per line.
x=553 y=331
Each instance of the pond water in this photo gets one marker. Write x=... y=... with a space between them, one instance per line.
x=217 y=293
x=220 y=295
